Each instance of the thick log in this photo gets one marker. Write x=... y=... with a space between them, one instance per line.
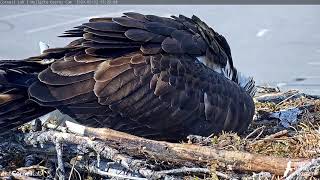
x=183 y=153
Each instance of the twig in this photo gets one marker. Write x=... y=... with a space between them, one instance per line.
x=261 y=176
x=106 y=167
x=32 y=167
x=253 y=132
x=17 y=176
x=60 y=170
x=277 y=97
x=78 y=173
x=56 y=127
x=267 y=89
x=96 y=170
x=277 y=134
x=288 y=98
x=311 y=96
x=185 y=170
x=271 y=137
x=225 y=176
x=305 y=168
x=72 y=169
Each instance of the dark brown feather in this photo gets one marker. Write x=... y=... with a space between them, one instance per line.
x=128 y=22
x=159 y=28
x=73 y=68
x=107 y=71
x=50 y=78
x=151 y=48
x=87 y=58
x=119 y=35
x=136 y=16
x=139 y=35
x=171 y=45
x=105 y=26
x=104 y=40
x=91 y=44
x=47 y=93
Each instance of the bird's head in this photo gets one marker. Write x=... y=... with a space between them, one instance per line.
x=218 y=56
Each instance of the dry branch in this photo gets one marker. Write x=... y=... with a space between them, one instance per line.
x=60 y=170
x=171 y=152
x=102 y=148
x=311 y=166
x=109 y=169
x=14 y=175
x=278 y=97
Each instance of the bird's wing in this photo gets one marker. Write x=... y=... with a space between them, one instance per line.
x=144 y=68
x=15 y=106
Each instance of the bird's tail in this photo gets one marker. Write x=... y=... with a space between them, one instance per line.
x=15 y=106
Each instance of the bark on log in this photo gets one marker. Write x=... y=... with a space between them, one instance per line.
x=173 y=152
x=185 y=153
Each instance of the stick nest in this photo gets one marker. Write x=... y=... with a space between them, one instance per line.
x=266 y=136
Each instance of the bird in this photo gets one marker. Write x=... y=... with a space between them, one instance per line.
x=147 y=75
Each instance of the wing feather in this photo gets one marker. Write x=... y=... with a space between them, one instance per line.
x=47 y=93
x=50 y=78
x=143 y=69
x=105 y=26
x=73 y=68
x=119 y=35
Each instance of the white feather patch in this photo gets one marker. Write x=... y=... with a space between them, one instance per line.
x=214 y=67
x=202 y=59
x=43 y=46
x=206 y=103
x=227 y=71
x=245 y=82
x=262 y=32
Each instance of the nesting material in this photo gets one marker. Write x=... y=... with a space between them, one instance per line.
x=285 y=129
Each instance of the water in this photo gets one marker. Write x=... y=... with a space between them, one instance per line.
x=278 y=45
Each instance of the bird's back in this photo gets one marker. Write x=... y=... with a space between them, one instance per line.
x=141 y=74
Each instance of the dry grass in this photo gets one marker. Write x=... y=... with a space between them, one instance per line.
x=301 y=140
x=266 y=136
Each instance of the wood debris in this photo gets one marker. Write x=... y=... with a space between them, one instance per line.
x=269 y=149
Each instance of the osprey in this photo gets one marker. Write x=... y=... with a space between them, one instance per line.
x=151 y=76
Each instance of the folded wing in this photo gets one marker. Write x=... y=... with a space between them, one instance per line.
x=140 y=74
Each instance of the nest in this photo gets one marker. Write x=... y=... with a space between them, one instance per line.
x=286 y=125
